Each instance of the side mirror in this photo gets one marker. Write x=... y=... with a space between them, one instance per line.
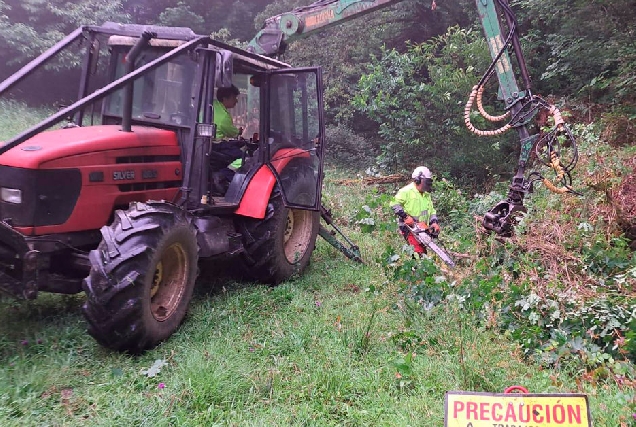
x=224 y=69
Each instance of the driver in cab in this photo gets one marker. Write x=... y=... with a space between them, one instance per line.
x=227 y=98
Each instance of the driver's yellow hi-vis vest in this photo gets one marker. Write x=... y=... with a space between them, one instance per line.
x=223 y=120
x=418 y=205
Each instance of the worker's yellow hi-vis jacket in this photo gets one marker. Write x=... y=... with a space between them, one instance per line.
x=418 y=205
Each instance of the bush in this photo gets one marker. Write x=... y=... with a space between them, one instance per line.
x=345 y=147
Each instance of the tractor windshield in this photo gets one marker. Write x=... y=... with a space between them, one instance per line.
x=162 y=95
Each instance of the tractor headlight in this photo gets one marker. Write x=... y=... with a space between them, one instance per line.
x=11 y=195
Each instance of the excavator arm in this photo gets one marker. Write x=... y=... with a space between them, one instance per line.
x=553 y=144
x=281 y=30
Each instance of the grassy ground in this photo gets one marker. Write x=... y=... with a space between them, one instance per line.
x=16 y=118
x=330 y=348
x=318 y=351
x=338 y=346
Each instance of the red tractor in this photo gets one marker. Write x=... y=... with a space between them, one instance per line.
x=127 y=209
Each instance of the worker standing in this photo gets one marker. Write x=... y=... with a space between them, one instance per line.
x=413 y=204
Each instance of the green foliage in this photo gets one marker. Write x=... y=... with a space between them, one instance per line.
x=450 y=203
x=417 y=98
x=182 y=16
x=373 y=215
x=343 y=62
x=17 y=117
x=203 y=16
x=583 y=47
x=404 y=372
x=552 y=324
x=554 y=330
x=608 y=259
x=420 y=280
x=34 y=25
x=345 y=147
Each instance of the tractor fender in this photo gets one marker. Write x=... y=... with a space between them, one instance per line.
x=254 y=201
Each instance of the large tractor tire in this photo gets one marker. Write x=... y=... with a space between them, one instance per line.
x=142 y=277
x=279 y=246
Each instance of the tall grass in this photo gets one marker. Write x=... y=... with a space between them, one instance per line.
x=298 y=354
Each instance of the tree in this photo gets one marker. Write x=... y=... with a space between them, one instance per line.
x=345 y=49
x=417 y=98
x=32 y=26
x=583 y=47
x=182 y=16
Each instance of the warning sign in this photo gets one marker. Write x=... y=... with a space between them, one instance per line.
x=470 y=409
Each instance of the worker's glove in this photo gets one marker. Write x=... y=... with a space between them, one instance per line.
x=409 y=220
x=434 y=227
x=399 y=211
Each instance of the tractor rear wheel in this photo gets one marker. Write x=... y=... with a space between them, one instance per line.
x=280 y=245
x=142 y=277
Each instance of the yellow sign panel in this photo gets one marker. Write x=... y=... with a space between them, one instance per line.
x=469 y=409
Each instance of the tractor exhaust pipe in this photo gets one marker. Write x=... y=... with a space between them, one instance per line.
x=134 y=52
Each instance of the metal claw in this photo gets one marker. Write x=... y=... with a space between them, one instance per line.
x=503 y=217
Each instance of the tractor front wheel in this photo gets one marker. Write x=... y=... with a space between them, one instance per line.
x=142 y=277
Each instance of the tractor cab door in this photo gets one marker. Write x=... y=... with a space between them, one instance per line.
x=294 y=132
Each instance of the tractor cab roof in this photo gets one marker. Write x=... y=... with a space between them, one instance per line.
x=172 y=37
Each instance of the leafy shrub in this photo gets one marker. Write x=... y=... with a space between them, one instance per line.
x=607 y=259
x=375 y=214
x=345 y=147
x=420 y=280
x=450 y=203
x=425 y=119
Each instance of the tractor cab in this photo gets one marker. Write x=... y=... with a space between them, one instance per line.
x=161 y=97
x=279 y=110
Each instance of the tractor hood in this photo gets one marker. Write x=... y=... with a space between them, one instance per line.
x=60 y=143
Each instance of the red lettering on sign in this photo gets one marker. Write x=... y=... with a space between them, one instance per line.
x=559 y=414
x=471 y=408
x=536 y=415
x=517 y=412
x=510 y=413
x=484 y=408
x=521 y=417
x=457 y=408
x=574 y=415
x=496 y=415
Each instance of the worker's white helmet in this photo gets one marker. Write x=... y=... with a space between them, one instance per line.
x=421 y=172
